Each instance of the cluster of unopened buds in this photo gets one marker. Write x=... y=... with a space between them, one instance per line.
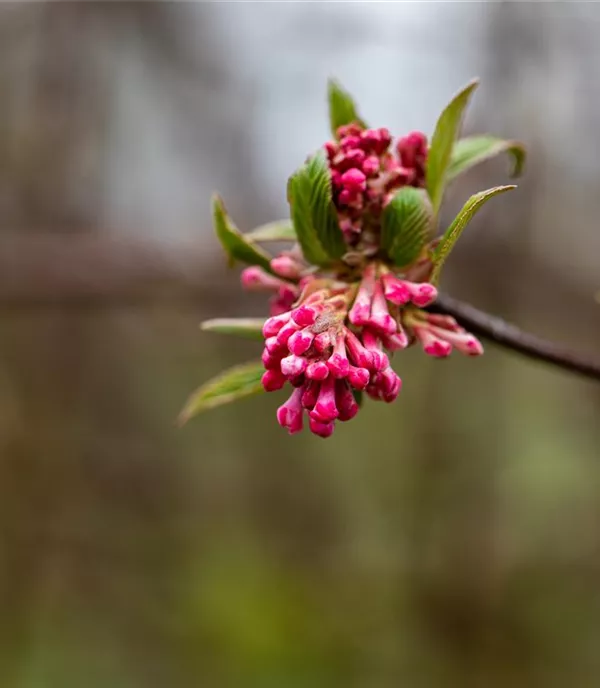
x=330 y=338
x=360 y=280
x=365 y=173
x=333 y=341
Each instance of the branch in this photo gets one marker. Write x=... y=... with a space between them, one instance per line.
x=511 y=337
x=87 y=271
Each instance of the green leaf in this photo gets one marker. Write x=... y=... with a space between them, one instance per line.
x=463 y=218
x=233 y=384
x=442 y=142
x=406 y=225
x=313 y=213
x=282 y=230
x=472 y=150
x=236 y=245
x=249 y=328
x=342 y=109
x=358 y=396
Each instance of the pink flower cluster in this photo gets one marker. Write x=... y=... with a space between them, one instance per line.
x=329 y=336
x=332 y=342
x=365 y=172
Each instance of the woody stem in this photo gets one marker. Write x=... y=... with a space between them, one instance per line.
x=511 y=337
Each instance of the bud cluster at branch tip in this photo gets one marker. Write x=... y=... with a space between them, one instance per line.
x=357 y=284
x=366 y=171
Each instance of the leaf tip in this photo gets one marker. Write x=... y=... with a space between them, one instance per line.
x=519 y=157
x=182 y=418
x=471 y=85
x=216 y=200
x=332 y=84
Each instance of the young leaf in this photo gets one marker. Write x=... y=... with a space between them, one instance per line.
x=472 y=150
x=463 y=218
x=440 y=150
x=249 y=328
x=283 y=230
x=406 y=225
x=313 y=213
x=358 y=396
x=342 y=109
x=233 y=384
x=236 y=245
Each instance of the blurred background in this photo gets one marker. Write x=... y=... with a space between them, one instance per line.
x=451 y=539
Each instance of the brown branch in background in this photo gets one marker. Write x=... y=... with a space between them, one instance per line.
x=510 y=337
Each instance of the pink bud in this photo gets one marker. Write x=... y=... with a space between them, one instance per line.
x=331 y=149
x=385 y=138
x=283 y=300
x=299 y=343
x=286 y=332
x=412 y=148
x=292 y=366
x=433 y=345
x=323 y=342
x=373 y=345
x=373 y=391
x=316 y=416
x=304 y=316
x=371 y=166
x=354 y=180
x=289 y=415
x=350 y=142
x=370 y=140
x=446 y=322
x=319 y=428
x=361 y=309
x=359 y=354
x=353 y=158
x=422 y=294
x=345 y=197
x=286 y=267
x=358 y=377
x=397 y=341
x=389 y=384
x=395 y=289
x=272 y=361
x=380 y=319
x=336 y=179
x=256 y=279
x=273 y=346
x=345 y=401
x=273 y=380
x=352 y=129
x=325 y=407
x=465 y=342
x=317 y=371
x=310 y=394
x=473 y=347
x=338 y=361
x=272 y=325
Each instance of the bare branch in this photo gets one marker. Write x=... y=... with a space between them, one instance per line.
x=83 y=272
x=499 y=331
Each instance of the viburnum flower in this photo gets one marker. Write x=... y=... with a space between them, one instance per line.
x=358 y=283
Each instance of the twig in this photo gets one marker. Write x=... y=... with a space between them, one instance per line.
x=511 y=337
x=88 y=272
